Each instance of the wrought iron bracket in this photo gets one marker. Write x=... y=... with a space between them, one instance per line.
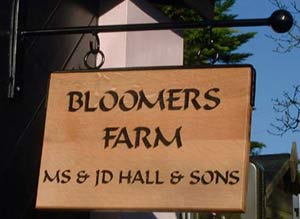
x=14 y=37
x=281 y=21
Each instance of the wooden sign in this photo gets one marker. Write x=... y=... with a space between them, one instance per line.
x=156 y=139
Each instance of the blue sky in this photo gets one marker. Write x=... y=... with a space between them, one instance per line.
x=275 y=73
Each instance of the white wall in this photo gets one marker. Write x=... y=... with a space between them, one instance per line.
x=140 y=48
x=132 y=49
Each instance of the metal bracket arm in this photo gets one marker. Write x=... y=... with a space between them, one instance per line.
x=281 y=21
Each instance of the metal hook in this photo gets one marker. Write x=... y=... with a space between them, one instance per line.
x=94 y=50
x=210 y=46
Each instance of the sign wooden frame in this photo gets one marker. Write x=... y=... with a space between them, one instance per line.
x=167 y=139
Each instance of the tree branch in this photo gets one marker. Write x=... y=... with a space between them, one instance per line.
x=287 y=42
x=289 y=109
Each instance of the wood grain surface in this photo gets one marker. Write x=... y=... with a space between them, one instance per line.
x=161 y=139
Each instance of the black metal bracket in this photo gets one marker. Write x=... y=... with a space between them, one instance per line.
x=281 y=21
x=13 y=49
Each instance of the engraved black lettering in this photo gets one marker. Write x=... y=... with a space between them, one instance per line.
x=219 y=176
x=207 y=177
x=87 y=107
x=124 y=176
x=176 y=177
x=82 y=176
x=75 y=97
x=139 y=136
x=62 y=178
x=108 y=136
x=51 y=179
x=138 y=178
x=195 y=178
x=145 y=101
x=107 y=176
x=122 y=102
x=123 y=138
x=193 y=100
x=157 y=179
x=173 y=99
x=148 y=180
x=97 y=177
x=214 y=99
x=234 y=177
x=115 y=97
x=65 y=176
x=160 y=138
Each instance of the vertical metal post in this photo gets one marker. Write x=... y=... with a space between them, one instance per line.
x=13 y=47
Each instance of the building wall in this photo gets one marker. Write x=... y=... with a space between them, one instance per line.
x=280 y=204
x=139 y=48
x=22 y=119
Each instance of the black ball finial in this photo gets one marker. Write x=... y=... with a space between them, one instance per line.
x=281 y=21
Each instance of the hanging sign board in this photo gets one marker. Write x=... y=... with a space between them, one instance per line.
x=151 y=139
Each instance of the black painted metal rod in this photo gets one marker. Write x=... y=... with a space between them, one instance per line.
x=13 y=47
x=281 y=21
x=146 y=27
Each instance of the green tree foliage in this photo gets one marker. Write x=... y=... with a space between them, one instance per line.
x=225 y=40
x=256 y=147
x=221 y=41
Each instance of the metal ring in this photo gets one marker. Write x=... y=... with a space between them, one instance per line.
x=86 y=57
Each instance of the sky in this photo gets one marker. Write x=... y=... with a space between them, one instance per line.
x=275 y=73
